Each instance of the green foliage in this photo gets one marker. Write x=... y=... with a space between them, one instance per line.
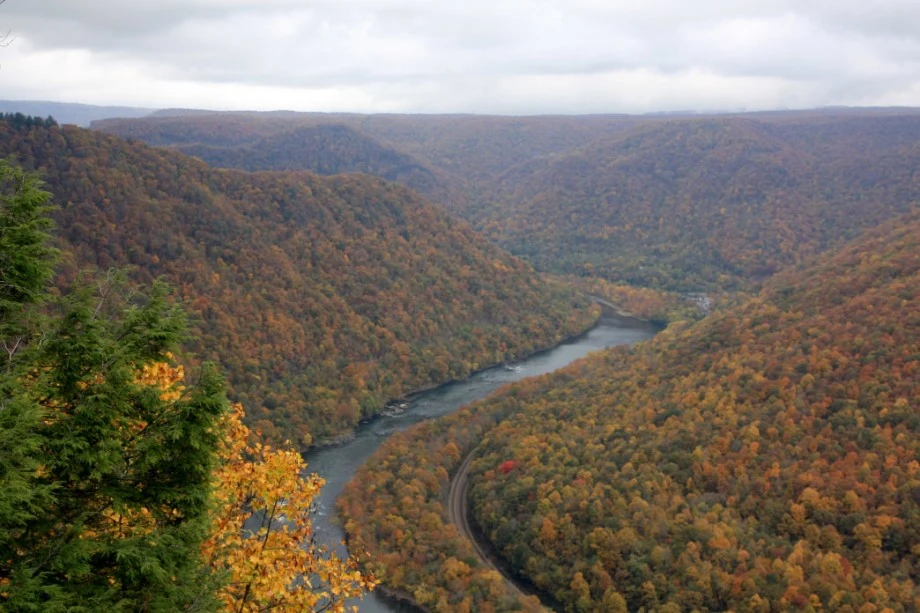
x=104 y=476
x=20 y=120
x=26 y=259
x=123 y=474
x=25 y=268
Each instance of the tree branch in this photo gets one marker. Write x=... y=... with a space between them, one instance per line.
x=6 y=39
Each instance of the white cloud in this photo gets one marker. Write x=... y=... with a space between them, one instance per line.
x=514 y=56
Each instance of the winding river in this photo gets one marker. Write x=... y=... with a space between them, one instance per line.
x=337 y=464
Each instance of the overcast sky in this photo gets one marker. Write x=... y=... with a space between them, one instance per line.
x=481 y=56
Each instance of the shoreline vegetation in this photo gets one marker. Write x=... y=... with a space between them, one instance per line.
x=607 y=310
x=424 y=458
x=407 y=398
x=422 y=461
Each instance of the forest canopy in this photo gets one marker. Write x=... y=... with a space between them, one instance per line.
x=321 y=298
x=709 y=203
x=765 y=457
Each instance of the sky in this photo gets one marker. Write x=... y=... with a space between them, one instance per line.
x=464 y=56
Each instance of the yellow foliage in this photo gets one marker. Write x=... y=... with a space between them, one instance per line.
x=166 y=377
x=262 y=529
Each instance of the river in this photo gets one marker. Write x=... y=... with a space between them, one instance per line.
x=337 y=464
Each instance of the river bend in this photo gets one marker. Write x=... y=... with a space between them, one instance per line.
x=337 y=464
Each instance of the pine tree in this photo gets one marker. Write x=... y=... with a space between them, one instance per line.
x=105 y=472
x=26 y=258
x=26 y=265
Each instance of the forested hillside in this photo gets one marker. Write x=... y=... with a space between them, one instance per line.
x=763 y=459
x=324 y=144
x=703 y=204
x=446 y=157
x=328 y=150
x=675 y=203
x=396 y=509
x=475 y=147
x=126 y=482
x=321 y=297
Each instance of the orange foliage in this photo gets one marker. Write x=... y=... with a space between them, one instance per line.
x=764 y=454
x=262 y=533
x=322 y=298
x=761 y=459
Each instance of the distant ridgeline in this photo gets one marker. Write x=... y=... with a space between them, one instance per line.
x=322 y=297
x=446 y=157
x=64 y=112
x=707 y=204
x=680 y=203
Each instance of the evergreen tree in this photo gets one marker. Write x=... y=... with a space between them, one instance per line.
x=26 y=263
x=105 y=456
x=26 y=259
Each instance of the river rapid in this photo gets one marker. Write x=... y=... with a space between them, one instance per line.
x=337 y=464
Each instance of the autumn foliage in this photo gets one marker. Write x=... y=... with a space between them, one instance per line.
x=659 y=306
x=262 y=536
x=762 y=459
x=394 y=509
x=705 y=204
x=260 y=547
x=321 y=298
x=677 y=203
x=125 y=484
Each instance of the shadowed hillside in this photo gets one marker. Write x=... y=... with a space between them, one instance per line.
x=461 y=152
x=706 y=203
x=326 y=150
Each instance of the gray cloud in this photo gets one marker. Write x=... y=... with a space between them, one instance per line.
x=512 y=56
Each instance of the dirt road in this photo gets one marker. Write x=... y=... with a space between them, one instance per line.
x=457 y=512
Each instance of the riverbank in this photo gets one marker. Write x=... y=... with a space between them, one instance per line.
x=409 y=478
x=408 y=397
x=401 y=599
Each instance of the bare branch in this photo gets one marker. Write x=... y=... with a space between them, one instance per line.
x=8 y=38
x=11 y=350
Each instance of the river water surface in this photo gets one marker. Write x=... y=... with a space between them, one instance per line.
x=337 y=465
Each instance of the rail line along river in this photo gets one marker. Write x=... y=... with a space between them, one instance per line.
x=337 y=464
